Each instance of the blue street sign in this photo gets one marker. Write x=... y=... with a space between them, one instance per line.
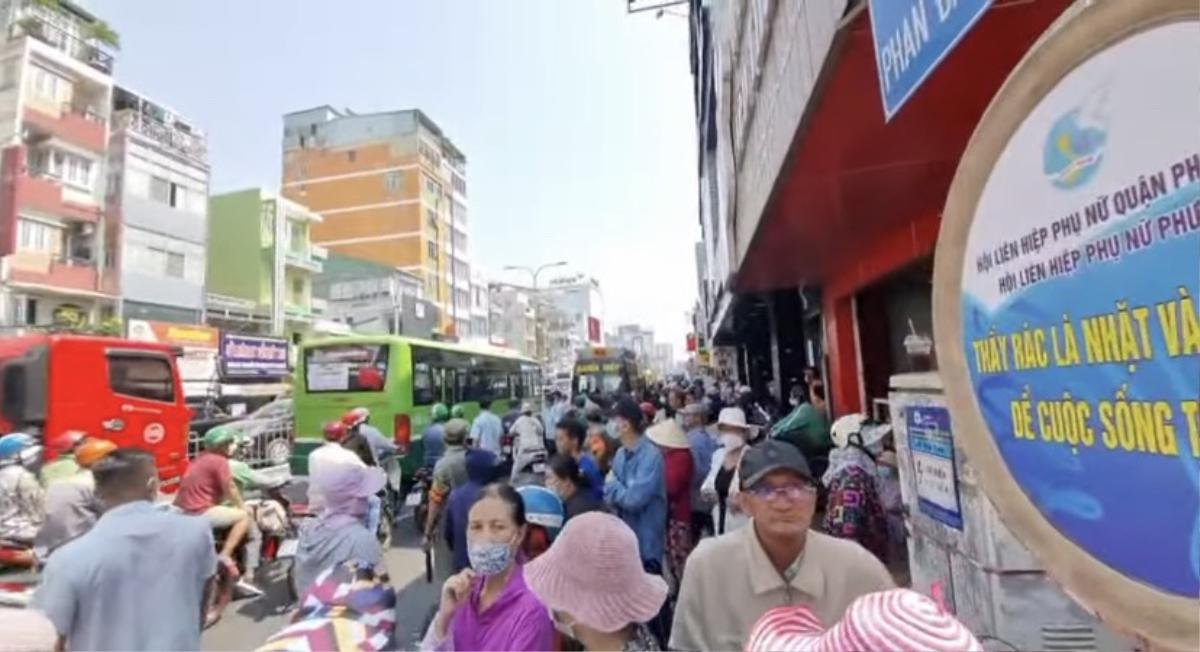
x=911 y=39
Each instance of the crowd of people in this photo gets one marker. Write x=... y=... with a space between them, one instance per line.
x=668 y=520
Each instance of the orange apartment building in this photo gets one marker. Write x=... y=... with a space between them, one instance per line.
x=390 y=188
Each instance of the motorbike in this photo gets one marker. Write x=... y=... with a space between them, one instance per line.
x=390 y=500
x=17 y=581
x=418 y=498
x=531 y=469
x=279 y=544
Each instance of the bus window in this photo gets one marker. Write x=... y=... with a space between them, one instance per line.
x=346 y=368
x=422 y=380
x=141 y=376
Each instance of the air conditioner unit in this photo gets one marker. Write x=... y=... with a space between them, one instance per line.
x=87 y=228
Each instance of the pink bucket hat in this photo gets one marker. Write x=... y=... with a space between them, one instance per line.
x=593 y=572
x=898 y=619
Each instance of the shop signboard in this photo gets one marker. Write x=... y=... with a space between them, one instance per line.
x=253 y=356
x=1067 y=307
x=199 y=344
x=912 y=37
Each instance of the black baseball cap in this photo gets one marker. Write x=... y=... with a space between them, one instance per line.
x=771 y=455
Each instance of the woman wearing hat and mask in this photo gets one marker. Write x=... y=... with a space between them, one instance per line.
x=722 y=485
x=339 y=533
x=488 y=606
x=678 y=469
x=854 y=509
x=594 y=587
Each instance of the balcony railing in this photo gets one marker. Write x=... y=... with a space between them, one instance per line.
x=304 y=260
x=79 y=125
x=88 y=52
x=183 y=142
x=43 y=192
x=60 y=272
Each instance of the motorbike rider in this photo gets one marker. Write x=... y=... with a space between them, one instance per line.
x=337 y=450
x=544 y=514
x=21 y=497
x=205 y=489
x=529 y=439
x=433 y=438
x=63 y=466
x=449 y=474
x=71 y=503
x=357 y=422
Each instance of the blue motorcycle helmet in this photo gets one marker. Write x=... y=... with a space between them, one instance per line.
x=19 y=448
x=543 y=512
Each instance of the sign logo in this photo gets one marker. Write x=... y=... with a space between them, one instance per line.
x=1075 y=145
x=154 y=433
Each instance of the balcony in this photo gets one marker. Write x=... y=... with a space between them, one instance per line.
x=35 y=24
x=82 y=126
x=318 y=253
x=192 y=145
x=43 y=193
x=304 y=260
x=57 y=273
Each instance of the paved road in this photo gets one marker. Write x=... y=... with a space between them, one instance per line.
x=248 y=623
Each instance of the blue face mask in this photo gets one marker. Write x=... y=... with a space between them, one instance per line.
x=490 y=557
x=885 y=472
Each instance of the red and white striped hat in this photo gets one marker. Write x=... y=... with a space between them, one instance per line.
x=889 y=621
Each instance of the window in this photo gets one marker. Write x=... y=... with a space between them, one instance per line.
x=297 y=290
x=393 y=181
x=460 y=185
x=347 y=368
x=433 y=249
x=433 y=191
x=174 y=264
x=160 y=190
x=49 y=86
x=78 y=171
x=141 y=376
x=71 y=168
x=39 y=237
x=352 y=156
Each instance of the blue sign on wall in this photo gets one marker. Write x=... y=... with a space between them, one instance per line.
x=911 y=39
x=932 y=447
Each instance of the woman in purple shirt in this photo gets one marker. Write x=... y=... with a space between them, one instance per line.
x=488 y=606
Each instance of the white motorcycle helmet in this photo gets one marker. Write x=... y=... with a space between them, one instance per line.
x=856 y=429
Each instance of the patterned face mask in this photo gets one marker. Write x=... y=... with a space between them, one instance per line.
x=490 y=557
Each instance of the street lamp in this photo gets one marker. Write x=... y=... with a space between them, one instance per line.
x=534 y=272
x=537 y=306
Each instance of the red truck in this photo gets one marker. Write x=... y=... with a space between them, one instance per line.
x=122 y=390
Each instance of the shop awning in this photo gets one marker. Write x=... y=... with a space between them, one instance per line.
x=858 y=197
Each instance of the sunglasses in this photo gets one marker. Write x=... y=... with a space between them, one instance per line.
x=790 y=492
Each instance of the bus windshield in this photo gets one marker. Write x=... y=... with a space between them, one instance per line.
x=598 y=382
x=346 y=368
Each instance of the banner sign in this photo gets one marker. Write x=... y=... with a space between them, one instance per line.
x=1068 y=310
x=252 y=356
x=198 y=364
x=593 y=326
x=193 y=336
x=911 y=39
x=933 y=460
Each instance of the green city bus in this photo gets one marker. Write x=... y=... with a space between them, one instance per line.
x=399 y=379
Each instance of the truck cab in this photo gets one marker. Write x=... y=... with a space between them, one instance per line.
x=125 y=391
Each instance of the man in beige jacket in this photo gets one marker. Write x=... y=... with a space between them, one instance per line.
x=775 y=560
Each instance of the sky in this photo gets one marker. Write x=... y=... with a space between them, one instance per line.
x=576 y=118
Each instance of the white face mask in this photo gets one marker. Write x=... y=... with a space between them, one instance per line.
x=732 y=442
